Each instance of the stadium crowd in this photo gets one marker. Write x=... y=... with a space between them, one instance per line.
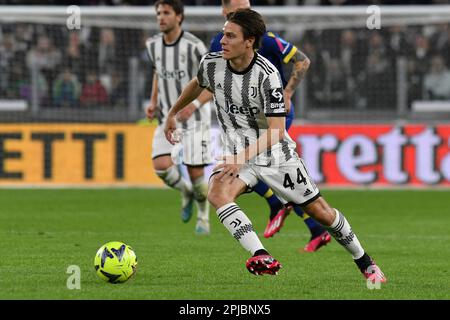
x=358 y=68
x=354 y=68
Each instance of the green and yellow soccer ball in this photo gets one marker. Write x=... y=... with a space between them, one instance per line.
x=115 y=262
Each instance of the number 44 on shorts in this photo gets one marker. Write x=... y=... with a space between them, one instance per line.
x=288 y=181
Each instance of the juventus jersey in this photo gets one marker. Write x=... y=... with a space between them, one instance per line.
x=243 y=102
x=175 y=65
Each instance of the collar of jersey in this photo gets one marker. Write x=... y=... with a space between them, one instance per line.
x=175 y=43
x=246 y=69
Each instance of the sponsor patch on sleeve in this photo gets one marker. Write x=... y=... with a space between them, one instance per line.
x=276 y=99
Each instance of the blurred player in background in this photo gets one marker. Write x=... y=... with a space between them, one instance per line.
x=175 y=55
x=258 y=146
x=280 y=52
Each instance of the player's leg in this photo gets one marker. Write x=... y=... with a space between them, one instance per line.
x=341 y=230
x=172 y=177
x=196 y=155
x=274 y=203
x=278 y=212
x=222 y=195
x=200 y=190
x=319 y=235
x=168 y=172
x=292 y=182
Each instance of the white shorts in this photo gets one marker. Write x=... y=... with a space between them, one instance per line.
x=290 y=181
x=196 y=144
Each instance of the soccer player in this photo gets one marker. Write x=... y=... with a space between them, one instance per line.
x=248 y=94
x=175 y=55
x=280 y=52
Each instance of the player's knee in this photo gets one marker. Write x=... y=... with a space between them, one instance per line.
x=162 y=163
x=320 y=211
x=170 y=175
x=327 y=216
x=200 y=189
x=218 y=197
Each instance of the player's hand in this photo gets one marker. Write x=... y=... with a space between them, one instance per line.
x=170 y=128
x=287 y=101
x=150 y=112
x=186 y=113
x=230 y=167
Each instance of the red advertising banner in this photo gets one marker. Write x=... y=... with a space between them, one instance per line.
x=384 y=155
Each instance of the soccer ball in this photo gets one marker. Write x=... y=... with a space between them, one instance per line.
x=115 y=262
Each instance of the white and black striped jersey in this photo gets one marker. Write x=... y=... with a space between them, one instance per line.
x=176 y=64
x=243 y=102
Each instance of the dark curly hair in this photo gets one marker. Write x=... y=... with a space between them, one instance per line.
x=176 y=5
x=251 y=23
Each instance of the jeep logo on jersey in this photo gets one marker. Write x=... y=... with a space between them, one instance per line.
x=176 y=74
x=276 y=98
x=234 y=109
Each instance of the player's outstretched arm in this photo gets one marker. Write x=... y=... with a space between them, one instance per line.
x=301 y=65
x=189 y=94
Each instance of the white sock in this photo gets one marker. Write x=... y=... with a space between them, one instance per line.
x=173 y=178
x=200 y=189
x=341 y=230
x=240 y=227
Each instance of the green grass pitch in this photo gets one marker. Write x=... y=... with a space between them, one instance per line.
x=43 y=232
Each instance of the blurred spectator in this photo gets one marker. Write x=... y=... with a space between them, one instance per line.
x=415 y=80
x=350 y=53
x=107 y=52
x=440 y=41
x=17 y=80
x=23 y=34
x=375 y=81
x=46 y=59
x=94 y=93
x=74 y=55
x=376 y=44
x=334 y=93
x=421 y=54
x=418 y=64
x=437 y=80
x=379 y=82
x=20 y=87
x=7 y=54
x=119 y=91
x=316 y=73
x=66 y=90
x=44 y=56
x=397 y=42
